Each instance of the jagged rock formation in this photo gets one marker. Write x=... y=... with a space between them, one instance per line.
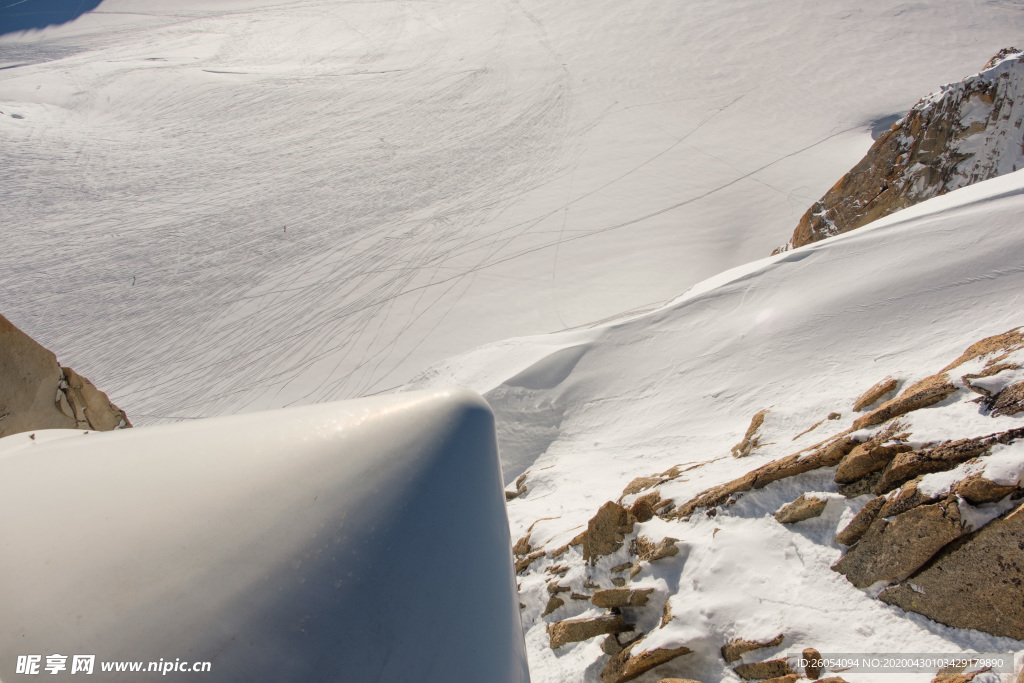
x=965 y=133
x=37 y=393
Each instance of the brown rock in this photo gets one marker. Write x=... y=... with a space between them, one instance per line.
x=523 y=563
x=643 y=507
x=759 y=671
x=977 y=490
x=621 y=567
x=1009 y=401
x=853 y=531
x=577 y=630
x=800 y=509
x=37 y=393
x=647 y=551
x=829 y=454
x=867 y=458
x=906 y=466
x=554 y=602
x=791 y=678
x=813 y=667
x=606 y=531
x=926 y=153
x=624 y=667
x=1003 y=344
x=892 y=550
x=750 y=439
x=641 y=484
x=974 y=583
x=522 y=546
x=886 y=386
x=928 y=391
x=860 y=487
x=621 y=597
x=908 y=497
x=736 y=647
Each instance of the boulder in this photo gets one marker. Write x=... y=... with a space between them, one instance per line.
x=977 y=490
x=644 y=507
x=576 y=630
x=736 y=647
x=800 y=509
x=853 y=531
x=760 y=671
x=871 y=396
x=867 y=458
x=1009 y=401
x=974 y=583
x=625 y=667
x=621 y=597
x=554 y=602
x=606 y=531
x=892 y=550
x=813 y=667
x=928 y=391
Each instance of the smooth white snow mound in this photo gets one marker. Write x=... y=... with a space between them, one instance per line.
x=356 y=541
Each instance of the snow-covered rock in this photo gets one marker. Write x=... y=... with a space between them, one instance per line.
x=963 y=133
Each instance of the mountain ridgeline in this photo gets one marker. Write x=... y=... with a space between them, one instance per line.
x=965 y=133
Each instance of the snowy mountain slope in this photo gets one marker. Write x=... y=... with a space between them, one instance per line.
x=243 y=204
x=802 y=334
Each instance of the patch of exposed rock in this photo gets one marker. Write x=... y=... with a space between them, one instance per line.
x=800 y=509
x=737 y=647
x=893 y=549
x=606 y=531
x=973 y=583
x=577 y=630
x=759 y=671
x=37 y=393
x=965 y=133
x=750 y=439
x=625 y=666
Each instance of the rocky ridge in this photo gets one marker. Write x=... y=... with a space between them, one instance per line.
x=965 y=133
x=36 y=392
x=919 y=510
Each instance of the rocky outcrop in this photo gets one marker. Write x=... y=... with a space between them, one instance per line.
x=965 y=133
x=974 y=583
x=576 y=630
x=606 y=531
x=737 y=647
x=800 y=509
x=759 y=671
x=37 y=393
x=625 y=666
x=869 y=397
x=621 y=597
x=892 y=550
x=750 y=439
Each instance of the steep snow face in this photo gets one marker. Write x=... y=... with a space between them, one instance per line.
x=964 y=132
x=802 y=334
x=309 y=544
x=246 y=204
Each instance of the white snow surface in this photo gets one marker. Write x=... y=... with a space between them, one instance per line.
x=241 y=204
x=804 y=334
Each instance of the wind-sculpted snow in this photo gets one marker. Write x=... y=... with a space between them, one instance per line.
x=244 y=204
x=650 y=415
